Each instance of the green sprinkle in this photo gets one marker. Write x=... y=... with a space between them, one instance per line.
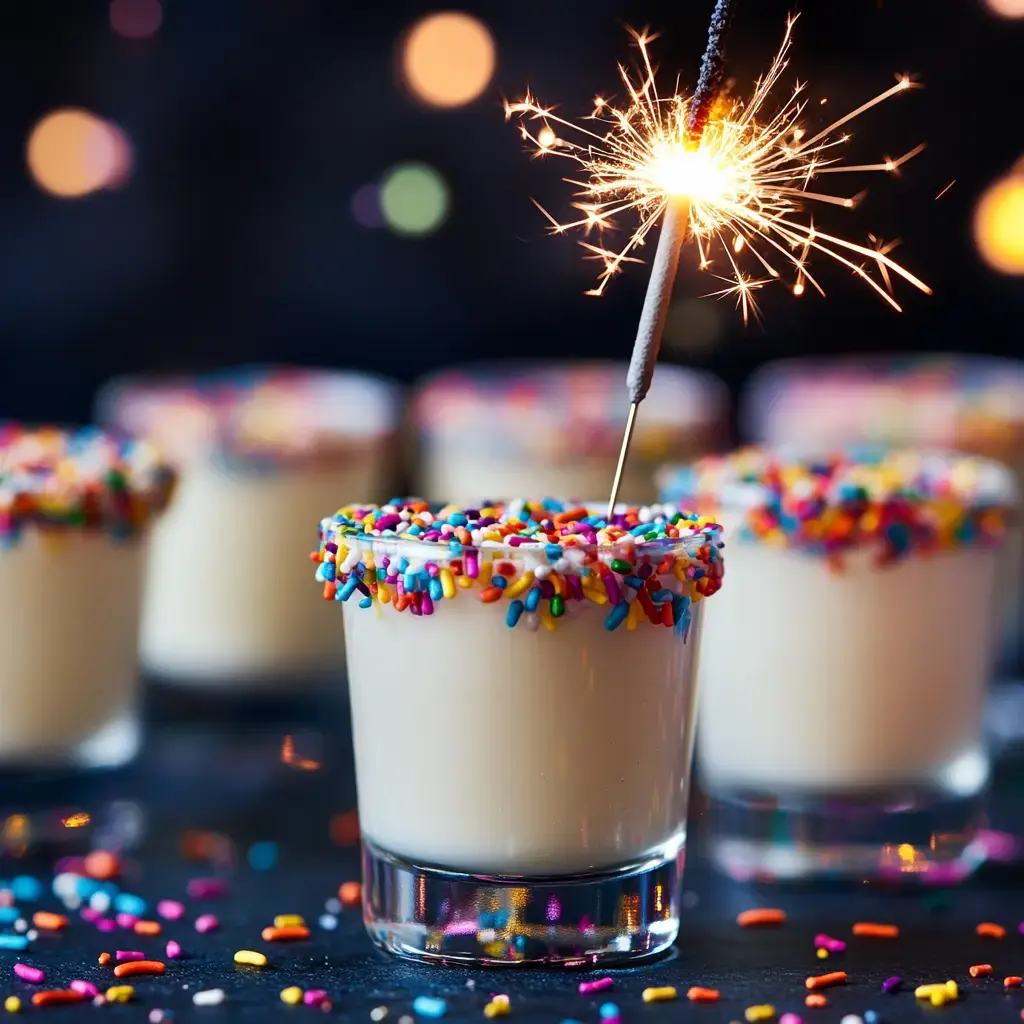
x=622 y=567
x=558 y=606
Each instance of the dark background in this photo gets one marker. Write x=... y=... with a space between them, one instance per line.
x=253 y=122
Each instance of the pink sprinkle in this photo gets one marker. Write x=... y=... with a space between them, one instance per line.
x=90 y=915
x=32 y=975
x=314 y=996
x=129 y=954
x=170 y=910
x=126 y=921
x=822 y=941
x=790 y=1018
x=6 y=898
x=206 y=888
x=206 y=923
x=598 y=985
x=105 y=924
x=173 y=950
x=85 y=988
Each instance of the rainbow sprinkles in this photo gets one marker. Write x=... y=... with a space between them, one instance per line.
x=542 y=562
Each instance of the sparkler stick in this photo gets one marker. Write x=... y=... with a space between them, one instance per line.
x=674 y=225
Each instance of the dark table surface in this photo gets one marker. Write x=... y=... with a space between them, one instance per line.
x=200 y=776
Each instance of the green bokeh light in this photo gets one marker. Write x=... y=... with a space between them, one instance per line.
x=414 y=199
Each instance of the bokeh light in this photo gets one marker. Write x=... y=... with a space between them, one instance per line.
x=136 y=19
x=999 y=223
x=413 y=199
x=448 y=59
x=1006 y=8
x=72 y=152
x=366 y=207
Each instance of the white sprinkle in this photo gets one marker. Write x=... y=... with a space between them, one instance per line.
x=100 y=901
x=333 y=905
x=65 y=884
x=32 y=935
x=470 y=984
x=852 y=1018
x=542 y=572
x=209 y=997
x=378 y=1013
x=72 y=901
x=406 y=1019
x=21 y=925
x=328 y=922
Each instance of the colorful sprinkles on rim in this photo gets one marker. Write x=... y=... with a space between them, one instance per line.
x=894 y=503
x=540 y=560
x=82 y=479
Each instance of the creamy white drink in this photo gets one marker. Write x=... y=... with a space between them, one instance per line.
x=563 y=733
x=491 y=430
x=824 y=670
x=74 y=513
x=228 y=604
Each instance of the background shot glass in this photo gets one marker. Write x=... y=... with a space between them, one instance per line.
x=74 y=515
x=842 y=699
x=493 y=430
x=523 y=791
x=228 y=609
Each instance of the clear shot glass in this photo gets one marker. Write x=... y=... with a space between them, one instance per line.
x=75 y=510
x=492 y=430
x=844 y=670
x=523 y=714
x=227 y=610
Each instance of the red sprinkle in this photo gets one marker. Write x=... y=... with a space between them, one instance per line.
x=990 y=930
x=57 y=997
x=1013 y=981
x=979 y=970
x=206 y=888
x=760 y=916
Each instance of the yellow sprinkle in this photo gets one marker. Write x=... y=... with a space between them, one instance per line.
x=465 y=582
x=501 y=997
x=120 y=993
x=251 y=957
x=484 y=578
x=762 y=1012
x=292 y=995
x=520 y=586
x=495 y=949
x=12 y=1004
x=289 y=921
x=496 y=1009
x=659 y=995
x=595 y=595
x=547 y=618
x=942 y=991
x=447 y=583
x=822 y=954
x=383 y=593
x=636 y=614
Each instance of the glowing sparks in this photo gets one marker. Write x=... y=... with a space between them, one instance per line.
x=77 y=820
x=295 y=760
x=747 y=181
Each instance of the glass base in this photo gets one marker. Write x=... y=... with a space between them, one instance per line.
x=915 y=836
x=433 y=916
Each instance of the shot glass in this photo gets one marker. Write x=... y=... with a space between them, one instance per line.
x=270 y=448
x=973 y=404
x=522 y=683
x=844 y=672
x=75 y=509
x=494 y=430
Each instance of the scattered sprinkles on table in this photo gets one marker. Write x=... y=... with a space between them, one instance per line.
x=539 y=561
x=86 y=479
x=894 y=504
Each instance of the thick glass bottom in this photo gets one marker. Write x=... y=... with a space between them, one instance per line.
x=434 y=916
x=918 y=835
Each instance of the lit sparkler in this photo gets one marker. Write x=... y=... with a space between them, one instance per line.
x=740 y=190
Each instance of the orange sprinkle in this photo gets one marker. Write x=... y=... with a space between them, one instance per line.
x=1013 y=981
x=703 y=995
x=350 y=893
x=760 y=916
x=126 y=970
x=868 y=930
x=148 y=928
x=989 y=930
x=104 y=959
x=979 y=969
x=48 y=922
x=294 y=931
x=490 y=594
x=824 y=980
x=57 y=997
x=102 y=865
x=815 y=999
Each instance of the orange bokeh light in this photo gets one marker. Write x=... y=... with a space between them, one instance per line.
x=448 y=59
x=999 y=223
x=72 y=152
x=1006 y=8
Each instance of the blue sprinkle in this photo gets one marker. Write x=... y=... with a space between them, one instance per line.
x=366 y=602
x=870 y=1017
x=325 y=572
x=533 y=599
x=515 y=610
x=129 y=903
x=662 y=596
x=457 y=519
x=616 y=616
x=455 y=548
x=403 y=565
x=553 y=551
x=13 y=942
x=499 y=581
x=633 y=581
x=262 y=855
x=8 y=915
x=608 y=1011
x=27 y=888
x=435 y=590
x=409 y=582
x=520 y=942
x=638 y=531
x=429 y=1006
